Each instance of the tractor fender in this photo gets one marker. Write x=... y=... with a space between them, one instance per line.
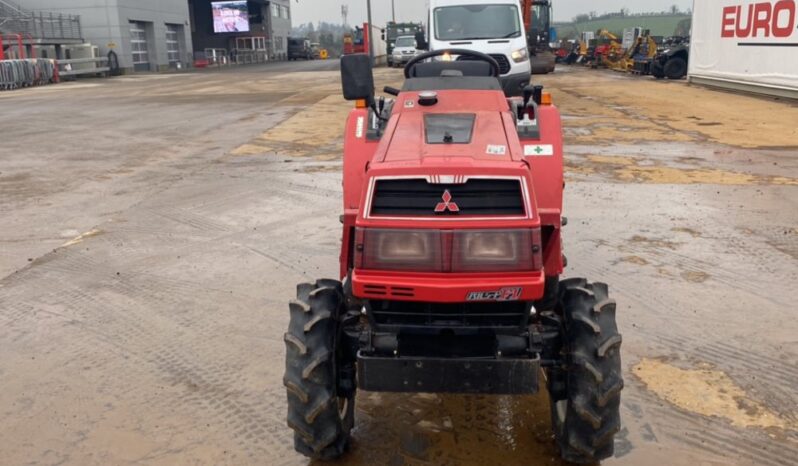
x=545 y=157
x=358 y=152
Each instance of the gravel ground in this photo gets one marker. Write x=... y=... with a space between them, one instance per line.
x=154 y=228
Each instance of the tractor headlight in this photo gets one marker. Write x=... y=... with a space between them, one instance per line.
x=520 y=55
x=400 y=249
x=492 y=250
x=459 y=251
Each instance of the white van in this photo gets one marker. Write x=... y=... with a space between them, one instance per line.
x=493 y=27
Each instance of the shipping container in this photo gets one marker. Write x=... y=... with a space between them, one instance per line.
x=748 y=45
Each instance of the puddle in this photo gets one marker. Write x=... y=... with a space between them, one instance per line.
x=707 y=392
x=453 y=429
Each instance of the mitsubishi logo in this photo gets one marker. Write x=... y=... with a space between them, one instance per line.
x=447 y=205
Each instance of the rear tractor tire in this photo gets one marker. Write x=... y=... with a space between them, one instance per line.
x=319 y=411
x=586 y=393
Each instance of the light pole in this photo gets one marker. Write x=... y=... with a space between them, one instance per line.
x=369 y=33
x=393 y=10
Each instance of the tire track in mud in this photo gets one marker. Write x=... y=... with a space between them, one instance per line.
x=125 y=329
x=753 y=445
x=211 y=388
x=773 y=380
x=713 y=435
x=774 y=384
x=188 y=218
x=729 y=278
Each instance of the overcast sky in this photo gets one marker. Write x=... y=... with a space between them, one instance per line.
x=415 y=10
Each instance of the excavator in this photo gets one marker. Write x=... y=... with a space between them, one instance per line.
x=540 y=34
x=609 y=50
x=636 y=56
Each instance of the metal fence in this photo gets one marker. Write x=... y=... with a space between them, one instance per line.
x=38 y=25
x=15 y=74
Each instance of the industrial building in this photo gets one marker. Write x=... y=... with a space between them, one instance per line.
x=267 y=30
x=144 y=35
x=151 y=35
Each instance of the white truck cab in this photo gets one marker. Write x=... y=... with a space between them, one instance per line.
x=493 y=27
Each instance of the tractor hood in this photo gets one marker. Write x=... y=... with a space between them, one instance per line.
x=464 y=148
x=462 y=128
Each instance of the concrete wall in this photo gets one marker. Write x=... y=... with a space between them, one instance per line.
x=106 y=24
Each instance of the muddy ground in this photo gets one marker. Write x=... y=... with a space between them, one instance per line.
x=154 y=228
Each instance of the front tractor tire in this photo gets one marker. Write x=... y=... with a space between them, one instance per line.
x=586 y=392
x=319 y=411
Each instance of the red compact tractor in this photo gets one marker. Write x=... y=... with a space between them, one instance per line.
x=450 y=263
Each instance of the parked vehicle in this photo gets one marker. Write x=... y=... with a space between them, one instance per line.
x=492 y=27
x=393 y=31
x=299 y=48
x=404 y=49
x=537 y=20
x=672 y=62
x=315 y=50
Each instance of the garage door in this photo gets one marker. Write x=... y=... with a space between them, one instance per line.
x=139 y=46
x=173 y=43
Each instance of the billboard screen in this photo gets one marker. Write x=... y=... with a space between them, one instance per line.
x=230 y=16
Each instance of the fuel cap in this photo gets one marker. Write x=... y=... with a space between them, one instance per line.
x=427 y=98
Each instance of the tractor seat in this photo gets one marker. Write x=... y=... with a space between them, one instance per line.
x=435 y=69
x=452 y=75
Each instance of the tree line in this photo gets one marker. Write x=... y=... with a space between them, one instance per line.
x=624 y=13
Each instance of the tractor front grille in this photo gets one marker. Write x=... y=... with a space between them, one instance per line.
x=480 y=197
x=407 y=314
x=504 y=63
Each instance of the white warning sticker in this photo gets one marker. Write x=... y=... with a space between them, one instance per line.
x=541 y=150
x=496 y=150
x=361 y=124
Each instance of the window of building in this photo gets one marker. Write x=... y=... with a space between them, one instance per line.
x=251 y=43
x=278 y=44
x=173 y=42
x=138 y=45
x=275 y=10
x=286 y=12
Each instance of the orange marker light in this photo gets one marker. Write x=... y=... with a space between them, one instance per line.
x=361 y=103
x=545 y=99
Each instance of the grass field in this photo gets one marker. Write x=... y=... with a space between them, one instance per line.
x=664 y=25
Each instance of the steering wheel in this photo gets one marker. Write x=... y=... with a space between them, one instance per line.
x=465 y=52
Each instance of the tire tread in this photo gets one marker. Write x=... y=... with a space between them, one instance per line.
x=593 y=376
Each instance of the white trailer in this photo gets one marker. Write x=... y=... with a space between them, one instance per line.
x=747 y=45
x=380 y=47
